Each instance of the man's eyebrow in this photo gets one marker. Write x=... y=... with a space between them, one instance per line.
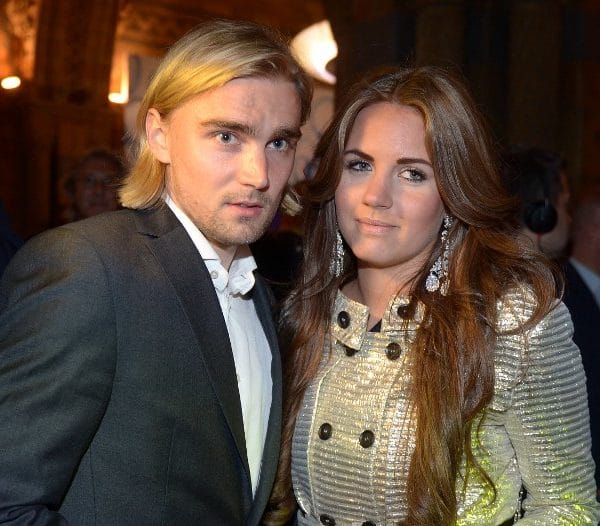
x=246 y=129
x=287 y=133
x=230 y=125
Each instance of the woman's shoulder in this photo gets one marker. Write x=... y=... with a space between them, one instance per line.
x=523 y=346
x=517 y=307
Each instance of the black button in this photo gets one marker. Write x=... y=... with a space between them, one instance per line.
x=393 y=350
x=327 y=520
x=350 y=351
x=368 y=523
x=325 y=431
x=343 y=319
x=406 y=312
x=367 y=438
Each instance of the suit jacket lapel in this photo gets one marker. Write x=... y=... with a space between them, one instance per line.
x=186 y=270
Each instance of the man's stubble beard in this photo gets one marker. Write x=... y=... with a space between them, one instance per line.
x=245 y=230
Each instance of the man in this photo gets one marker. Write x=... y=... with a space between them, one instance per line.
x=538 y=179
x=91 y=186
x=9 y=240
x=582 y=297
x=140 y=379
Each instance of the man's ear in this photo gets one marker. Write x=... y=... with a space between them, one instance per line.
x=156 y=133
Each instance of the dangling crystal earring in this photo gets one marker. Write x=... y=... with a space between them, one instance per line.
x=438 y=275
x=336 y=265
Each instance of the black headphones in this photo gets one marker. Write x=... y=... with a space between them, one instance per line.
x=530 y=174
x=540 y=216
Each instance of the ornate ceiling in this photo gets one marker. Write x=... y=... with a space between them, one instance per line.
x=147 y=27
x=157 y=23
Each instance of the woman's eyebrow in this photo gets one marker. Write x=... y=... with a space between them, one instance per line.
x=359 y=153
x=413 y=160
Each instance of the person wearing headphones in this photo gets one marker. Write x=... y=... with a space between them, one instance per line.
x=538 y=178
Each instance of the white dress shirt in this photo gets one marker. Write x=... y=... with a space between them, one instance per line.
x=251 y=352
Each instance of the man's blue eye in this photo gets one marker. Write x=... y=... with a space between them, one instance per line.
x=280 y=144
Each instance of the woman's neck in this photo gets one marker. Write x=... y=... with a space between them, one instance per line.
x=374 y=288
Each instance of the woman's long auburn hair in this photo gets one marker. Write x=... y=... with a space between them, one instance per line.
x=453 y=373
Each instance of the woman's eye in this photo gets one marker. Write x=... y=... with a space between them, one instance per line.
x=358 y=165
x=412 y=174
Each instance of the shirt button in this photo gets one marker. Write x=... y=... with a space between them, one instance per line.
x=392 y=351
x=327 y=520
x=343 y=319
x=368 y=523
x=367 y=438
x=214 y=274
x=325 y=431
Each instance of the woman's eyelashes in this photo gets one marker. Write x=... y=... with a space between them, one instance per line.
x=413 y=174
x=357 y=165
x=408 y=173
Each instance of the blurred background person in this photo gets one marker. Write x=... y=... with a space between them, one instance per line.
x=539 y=180
x=582 y=297
x=91 y=185
x=9 y=240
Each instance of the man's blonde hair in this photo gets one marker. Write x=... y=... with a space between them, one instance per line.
x=208 y=57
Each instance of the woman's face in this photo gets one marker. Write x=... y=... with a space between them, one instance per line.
x=388 y=206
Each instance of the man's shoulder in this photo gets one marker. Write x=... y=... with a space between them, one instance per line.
x=102 y=224
x=109 y=225
x=105 y=230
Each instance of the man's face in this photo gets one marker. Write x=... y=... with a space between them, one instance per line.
x=229 y=154
x=554 y=243
x=95 y=189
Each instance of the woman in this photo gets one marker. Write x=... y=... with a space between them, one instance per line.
x=431 y=372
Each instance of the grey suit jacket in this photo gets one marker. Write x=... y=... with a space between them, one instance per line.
x=118 y=393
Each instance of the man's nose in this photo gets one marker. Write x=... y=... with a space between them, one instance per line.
x=254 y=168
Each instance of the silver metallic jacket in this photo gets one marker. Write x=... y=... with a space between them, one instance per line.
x=354 y=436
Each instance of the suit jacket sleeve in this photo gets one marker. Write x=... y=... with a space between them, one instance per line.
x=57 y=345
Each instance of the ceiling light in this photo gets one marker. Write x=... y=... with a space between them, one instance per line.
x=315 y=47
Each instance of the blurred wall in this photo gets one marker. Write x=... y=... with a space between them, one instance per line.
x=533 y=65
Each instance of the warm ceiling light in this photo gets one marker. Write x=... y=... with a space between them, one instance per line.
x=11 y=82
x=117 y=98
x=315 y=47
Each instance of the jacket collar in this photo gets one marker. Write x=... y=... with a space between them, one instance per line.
x=349 y=320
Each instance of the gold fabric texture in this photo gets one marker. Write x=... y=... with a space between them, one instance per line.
x=355 y=432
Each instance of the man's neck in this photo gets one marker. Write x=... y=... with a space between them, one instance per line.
x=226 y=254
